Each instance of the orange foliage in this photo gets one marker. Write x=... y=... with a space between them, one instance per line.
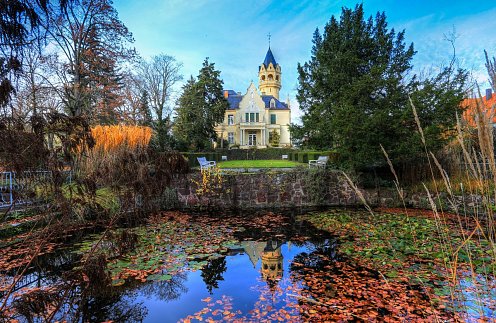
x=484 y=106
x=109 y=138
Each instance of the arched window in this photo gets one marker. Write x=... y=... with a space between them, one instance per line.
x=277 y=77
x=263 y=77
x=270 y=77
x=272 y=104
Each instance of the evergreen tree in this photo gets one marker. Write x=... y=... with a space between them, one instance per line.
x=144 y=109
x=354 y=92
x=200 y=107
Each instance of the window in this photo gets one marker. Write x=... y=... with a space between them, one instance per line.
x=263 y=77
x=230 y=138
x=277 y=77
x=252 y=117
x=230 y=119
x=272 y=104
x=272 y=119
x=270 y=77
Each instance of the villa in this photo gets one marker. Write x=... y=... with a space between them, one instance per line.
x=257 y=119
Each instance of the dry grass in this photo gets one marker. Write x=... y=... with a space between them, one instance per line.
x=476 y=220
x=476 y=181
x=109 y=138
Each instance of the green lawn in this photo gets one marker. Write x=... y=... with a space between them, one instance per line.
x=257 y=164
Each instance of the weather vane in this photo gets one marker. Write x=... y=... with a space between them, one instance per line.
x=269 y=38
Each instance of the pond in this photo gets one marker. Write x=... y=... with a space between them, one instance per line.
x=246 y=268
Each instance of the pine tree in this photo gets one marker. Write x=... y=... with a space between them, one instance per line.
x=354 y=91
x=200 y=107
x=144 y=109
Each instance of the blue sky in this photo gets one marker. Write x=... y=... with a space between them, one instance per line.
x=233 y=33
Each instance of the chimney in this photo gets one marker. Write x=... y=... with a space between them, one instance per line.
x=226 y=94
x=489 y=94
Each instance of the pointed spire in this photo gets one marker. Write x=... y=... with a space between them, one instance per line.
x=269 y=58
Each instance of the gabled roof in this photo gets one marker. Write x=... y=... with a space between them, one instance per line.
x=279 y=105
x=269 y=58
x=234 y=99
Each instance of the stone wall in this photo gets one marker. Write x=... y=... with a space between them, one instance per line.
x=297 y=188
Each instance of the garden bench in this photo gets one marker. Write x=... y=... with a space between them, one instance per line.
x=284 y=157
x=204 y=163
x=320 y=162
x=223 y=158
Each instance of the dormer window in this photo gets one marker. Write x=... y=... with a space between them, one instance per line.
x=272 y=104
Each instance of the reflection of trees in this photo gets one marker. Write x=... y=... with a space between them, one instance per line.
x=115 y=307
x=75 y=304
x=318 y=258
x=212 y=273
x=166 y=290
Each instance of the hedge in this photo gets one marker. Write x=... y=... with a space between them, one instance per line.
x=255 y=154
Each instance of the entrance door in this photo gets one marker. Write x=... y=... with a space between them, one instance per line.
x=252 y=139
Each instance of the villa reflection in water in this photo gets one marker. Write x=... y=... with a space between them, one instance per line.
x=269 y=252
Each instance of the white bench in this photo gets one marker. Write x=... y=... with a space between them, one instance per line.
x=284 y=156
x=204 y=163
x=223 y=158
x=321 y=162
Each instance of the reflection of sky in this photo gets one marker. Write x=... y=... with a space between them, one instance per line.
x=241 y=281
x=475 y=302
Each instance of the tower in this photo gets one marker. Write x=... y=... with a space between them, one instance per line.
x=269 y=76
x=272 y=262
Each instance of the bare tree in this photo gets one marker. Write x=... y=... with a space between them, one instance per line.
x=131 y=100
x=158 y=77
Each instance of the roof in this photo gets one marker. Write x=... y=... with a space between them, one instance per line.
x=279 y=105
x=233 y=99
x=471 y=108
x=269 y=58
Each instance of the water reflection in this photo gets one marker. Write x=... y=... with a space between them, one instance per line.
x=212 y=273
x=269 y=252
x=167 y=290
x=243 y=274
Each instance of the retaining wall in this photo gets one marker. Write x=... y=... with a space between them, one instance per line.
x=265 y=190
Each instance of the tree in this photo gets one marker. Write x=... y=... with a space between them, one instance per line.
x=93 y=43
x=19 y=26
x=354 y=92
x=144 y=109
x=201 y=106
x=157 y=78
x=274 y=138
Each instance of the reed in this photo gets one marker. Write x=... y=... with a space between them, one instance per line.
x=471 y=280
x=111 y=138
